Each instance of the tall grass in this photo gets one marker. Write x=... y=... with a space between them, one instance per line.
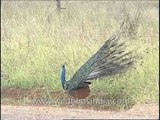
x=36 y=41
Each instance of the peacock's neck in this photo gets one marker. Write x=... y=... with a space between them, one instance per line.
x=63 y=74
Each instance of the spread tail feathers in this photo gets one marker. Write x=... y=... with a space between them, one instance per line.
x=109 y=60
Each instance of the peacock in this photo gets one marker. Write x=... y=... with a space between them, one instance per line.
x=110 y=59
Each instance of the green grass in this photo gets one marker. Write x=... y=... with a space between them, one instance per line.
x=36 y=41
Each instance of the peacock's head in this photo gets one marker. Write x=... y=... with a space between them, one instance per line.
x=63 y=66
x=63 y=74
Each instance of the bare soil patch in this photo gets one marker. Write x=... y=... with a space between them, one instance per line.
x=40 y=97
x=146 y=111
x=29 y=93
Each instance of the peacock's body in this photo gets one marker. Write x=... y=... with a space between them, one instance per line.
x=109 y=60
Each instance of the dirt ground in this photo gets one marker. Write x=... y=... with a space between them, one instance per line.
x=146 y=111
x=12 y=111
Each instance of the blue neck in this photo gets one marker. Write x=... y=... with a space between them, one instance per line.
x=63 y=74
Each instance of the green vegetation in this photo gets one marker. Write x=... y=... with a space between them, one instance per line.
x=36 y=41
